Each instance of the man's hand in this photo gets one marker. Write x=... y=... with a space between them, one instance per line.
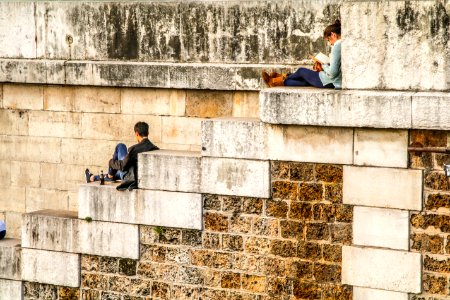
x=317 y=66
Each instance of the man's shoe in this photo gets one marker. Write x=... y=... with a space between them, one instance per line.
x=266 y=77
x=277 y=81
x=88 y=175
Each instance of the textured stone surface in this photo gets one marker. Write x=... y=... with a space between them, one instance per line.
x=391 y=270
x=159 y=208
x=360 y=293
x=10 y=255
x=18 y=96
x=406 y=50
x=170 y=170
x=32 y=71
x=11 y=290
x=429 y=110
x=51 y=267
x=309 y=106
x=383 y=187
x=236 y=177
x=374 y=227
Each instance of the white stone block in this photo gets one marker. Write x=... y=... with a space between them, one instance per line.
x=170 y=170
x=383 y=187
x=11 y=290
x=360 y=293
x=431 y=111
x=57 y=268
x=236 y=177
x=392 y=270
x=158 y=208
x=383 y=148
x=10 y=253
x=345 y=108
x=311 y=144
x=388 y=228
x=235 y=138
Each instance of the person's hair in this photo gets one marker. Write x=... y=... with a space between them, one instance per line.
x=141 y=128
x=335 y=27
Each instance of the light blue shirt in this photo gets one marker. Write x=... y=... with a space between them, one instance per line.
x=2 y=226
x=332 y=73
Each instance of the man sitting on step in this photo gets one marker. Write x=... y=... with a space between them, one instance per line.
x=2 y=230
x=123 y=165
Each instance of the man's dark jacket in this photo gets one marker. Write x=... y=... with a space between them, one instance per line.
x=129 y=163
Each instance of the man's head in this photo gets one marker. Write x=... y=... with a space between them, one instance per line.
x=141 y=130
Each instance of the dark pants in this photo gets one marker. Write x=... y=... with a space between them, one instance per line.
x=305 y=77
x=119 y=154
x=2 y=234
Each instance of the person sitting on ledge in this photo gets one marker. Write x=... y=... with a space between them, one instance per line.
x=322 y=75
x=2 y=230
x=123 y=165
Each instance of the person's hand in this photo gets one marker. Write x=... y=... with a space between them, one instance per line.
x=317 y=66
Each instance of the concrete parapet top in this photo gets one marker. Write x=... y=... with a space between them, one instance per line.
x=10 y=242
x=174 y=153
x=56 y=213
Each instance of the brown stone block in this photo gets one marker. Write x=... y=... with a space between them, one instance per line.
x=148 y=235
x=34 y=290
x=310 y=192
x=191 y=237
x=178 y=255
x=343 y=213
x=429 y=138
x=437 y=201
x=215 y=222
x=66 y=293
x=209 y=104
x=447 y=248
x=436 y=181
x=211 y=202
x=242 y=296
x=257 y=245
x=190 y=275
x=332 y=253
x=301 y=172
x=232 y=242
x=279 y=170
x=284 y=190
x=148 y=270
x=298 y=269
x=341 y=233
x=277 y=209
x=167 y=273
x=140 y=287
x=329 y=173
x=441 y=159
x=434 y=284
x=109 y=264
x=240 y=224
x=90 y=294
x=170 y=236
x=266 y=227
x=436 y=265
x=111 y=296
x=153 y=253
x=253 y=283
x=273 y=266
x=90 y=262
x=211 y=294
x=425 y=221
x=252 y=206
x=278 y=288
x=127 y=266
x=210 y=240
x=249 y=263
x=427 y=243
x=317 y=231
x=207 y=258
x=231 y=204
x=333 y=193
x=323 y=212
x=301 y=211
x=422 y=161
x=94 y=281
x=231 y=280
x=212 y=278
x=306 y=290
x=309 y=250
x=327 y=273
x=337 y=292
x=160 y=290
x=291 y=229
x=119 y=284
x=283 y=248
x=181 y=292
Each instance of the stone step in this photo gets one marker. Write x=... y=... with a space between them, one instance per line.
x=62 y=231
x=147 y=207
x=10 y=256
x=355 y=108
x=11 y=289
x=360 y=293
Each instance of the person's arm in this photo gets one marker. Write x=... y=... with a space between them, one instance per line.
x=334 y=68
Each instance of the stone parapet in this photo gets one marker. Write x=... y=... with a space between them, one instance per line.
x=11 y=289
x=360 y=293
x=10 y=257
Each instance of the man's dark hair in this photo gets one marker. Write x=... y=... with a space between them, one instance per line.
x=336 y=28
x=141 y=128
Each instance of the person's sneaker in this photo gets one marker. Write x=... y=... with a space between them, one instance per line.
x=88 y=175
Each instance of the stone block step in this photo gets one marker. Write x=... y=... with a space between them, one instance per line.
x=360 y=293
x=147 y=207
x=355 y=108
x=10 y=256
x=11 y=289
x=62 y=231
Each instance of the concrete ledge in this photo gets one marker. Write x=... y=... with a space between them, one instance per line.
x=170 y=170
x=51 y=267
x=372 y=294
x=397 y=271
x=11 y=290
x=32 y=71
x=158 y=208
x=10 y=256
x=431 y=111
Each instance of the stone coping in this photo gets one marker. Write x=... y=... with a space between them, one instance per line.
x=10 y=242
x=355 y=108
x=210 y=76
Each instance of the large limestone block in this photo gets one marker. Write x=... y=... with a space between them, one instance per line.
x=40 y=198
x=158 y=208
x=25 y=174
x=55 y=124
x=431 y=111
x=374 y=227
x=13 y=222
x=245 y=104
x=383 y=187
x=13 y=122
x=311 y=106
x=25 y=148
x=161 y=102
x=13 y=199
x=391 y=270
x=11 y=290
x=360 y=293
x=236 y=177
x=181 y=130
x=169 y=170
x=400 y=45
x=10 y=255
x=383 y=148
x=87 y=152
x=57 y=268
x=235 y=138
x=19 y=96
x=32 y=71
